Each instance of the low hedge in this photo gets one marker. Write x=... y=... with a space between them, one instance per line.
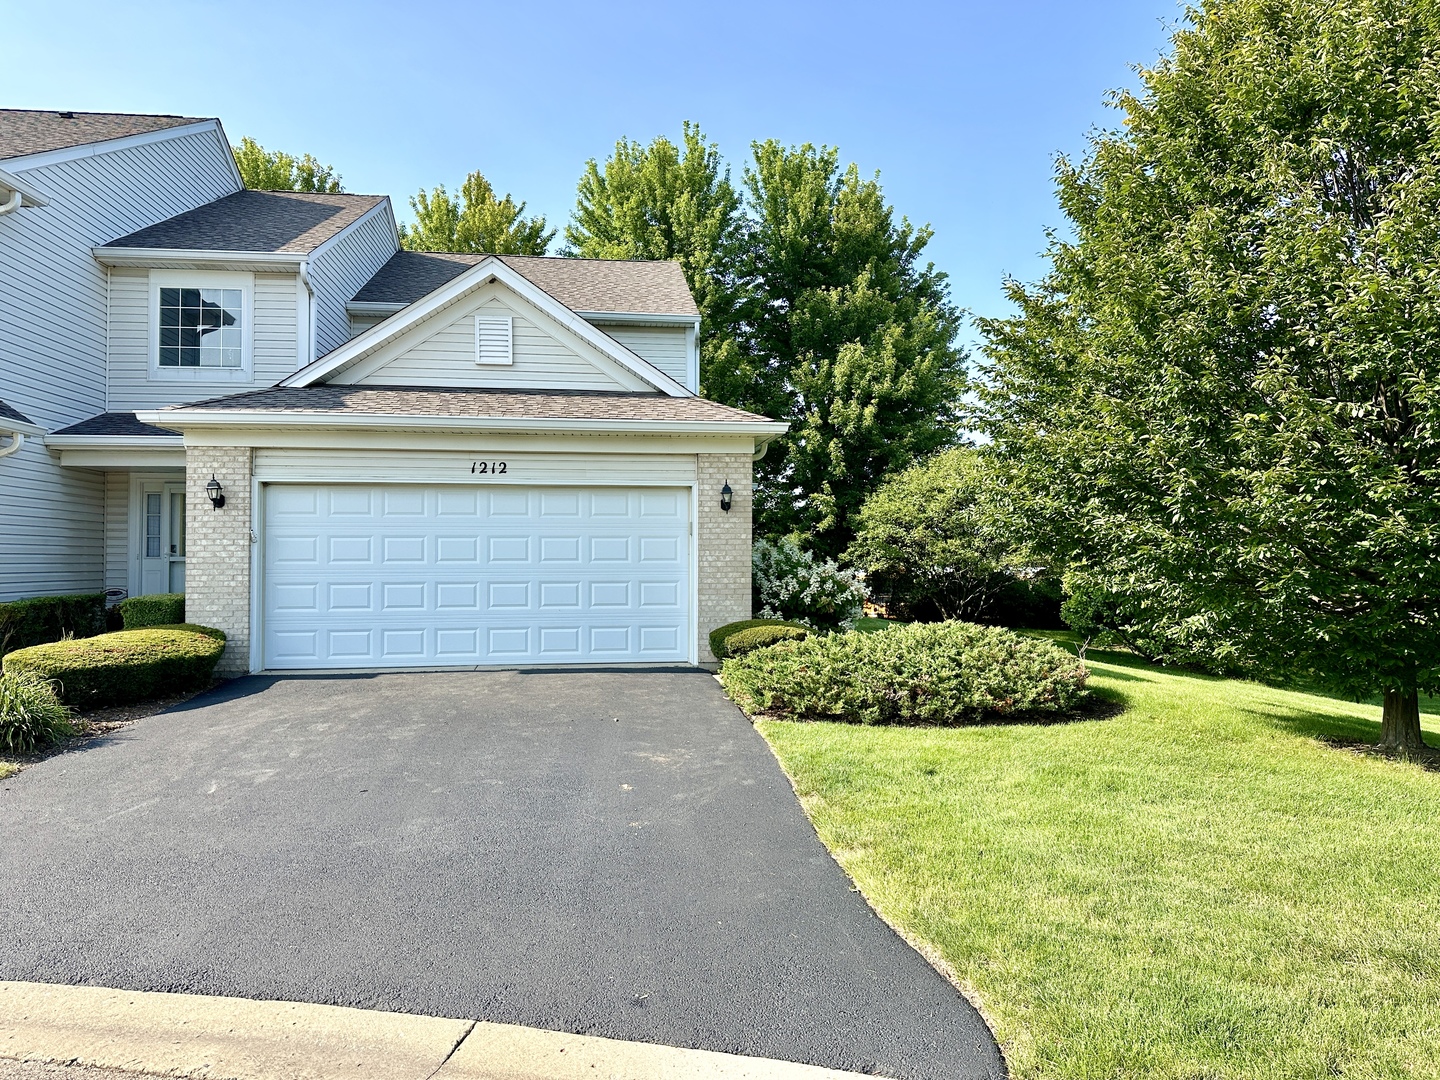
x=924 y=673
x=759 y=637
x=721 y=634
x=126 y=666
x=155 y=609
x=41 y=619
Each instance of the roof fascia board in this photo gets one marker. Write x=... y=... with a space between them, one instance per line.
x=29 y=194
x=383 y=206
x=365 y=307
x=230 y=156
x=163 y=257
x=490 y=267
x=26 y=162
x=116 y=442
x=9 y=426
x=192 y=417
x=638 y=317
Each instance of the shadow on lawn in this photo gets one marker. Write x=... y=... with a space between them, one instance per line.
x=1352 y=733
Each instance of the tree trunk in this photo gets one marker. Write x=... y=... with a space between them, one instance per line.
x=1400 y=722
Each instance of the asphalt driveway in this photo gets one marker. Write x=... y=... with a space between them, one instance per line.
x=612 y=853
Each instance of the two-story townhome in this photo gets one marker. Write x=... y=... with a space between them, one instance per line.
x=348 y=455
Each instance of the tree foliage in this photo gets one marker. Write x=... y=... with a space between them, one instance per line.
x=476 y=220
x=929 y=534
x=1223 y=396
x=845 y=334
x=665 y=201
x=275 y=170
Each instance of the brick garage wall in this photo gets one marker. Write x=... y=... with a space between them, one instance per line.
x=217 y=556
x=724 y=543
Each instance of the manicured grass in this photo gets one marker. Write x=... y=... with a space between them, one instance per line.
x=868 y=624
x=1199 y=888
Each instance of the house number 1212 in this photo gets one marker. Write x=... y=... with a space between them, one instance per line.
x=495 y=468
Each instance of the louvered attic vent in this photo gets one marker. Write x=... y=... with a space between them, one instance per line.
x=493 y=340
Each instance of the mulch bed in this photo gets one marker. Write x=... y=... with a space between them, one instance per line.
x=98 y=723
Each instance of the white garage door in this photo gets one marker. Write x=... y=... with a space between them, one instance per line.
x=404 y=575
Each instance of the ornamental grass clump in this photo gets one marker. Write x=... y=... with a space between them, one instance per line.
x=925 y=673
x=31 y=713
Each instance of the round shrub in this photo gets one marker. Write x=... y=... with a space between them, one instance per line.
x=923 y=673
x=126 y=666
x=758 y=637
x=154 y=609
x=721 y=634
x=31 y=713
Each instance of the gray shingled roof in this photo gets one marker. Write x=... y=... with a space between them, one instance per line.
x=286 y=222
x=114 y=423
x=34 y=131
x=475 y=403
x=7 y=413
x=644 y=288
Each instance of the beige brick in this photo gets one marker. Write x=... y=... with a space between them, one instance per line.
x=724 y=543
x=217 y=557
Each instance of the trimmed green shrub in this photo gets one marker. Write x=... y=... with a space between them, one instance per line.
x=31 y=713
x=759 y=637
x=126 y=666
x=720 y=634
x=923 y=673
x=40 y=619
x=156 y=609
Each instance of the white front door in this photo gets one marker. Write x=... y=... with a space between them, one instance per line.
x=408 y=575
x=162 y=538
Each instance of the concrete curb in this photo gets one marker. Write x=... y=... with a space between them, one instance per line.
x=184 y=1035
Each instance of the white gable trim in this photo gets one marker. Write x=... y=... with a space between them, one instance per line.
x=489 y=269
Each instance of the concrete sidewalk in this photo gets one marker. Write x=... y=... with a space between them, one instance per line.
x=180 y=1035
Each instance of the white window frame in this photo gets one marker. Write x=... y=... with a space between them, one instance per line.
x=204 y=279
x=495 y=320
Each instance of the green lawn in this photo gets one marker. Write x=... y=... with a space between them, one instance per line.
x=1198 y=888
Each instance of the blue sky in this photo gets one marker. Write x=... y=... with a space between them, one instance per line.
x=961 y=106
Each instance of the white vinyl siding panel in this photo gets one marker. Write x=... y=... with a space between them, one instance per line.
x=445 y=356
x=409 y=575
x=53 y=313
x=342 y=266
x=117 y=530
x=360 y=323
x=667 y=347
x=451 y=467
x=131 y=386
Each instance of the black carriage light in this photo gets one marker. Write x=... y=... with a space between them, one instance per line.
x=212 y=489
x=725 y=496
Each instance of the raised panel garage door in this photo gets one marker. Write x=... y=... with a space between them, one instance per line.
x=404 y=575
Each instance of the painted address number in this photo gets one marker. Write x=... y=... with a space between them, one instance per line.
x=489 y=468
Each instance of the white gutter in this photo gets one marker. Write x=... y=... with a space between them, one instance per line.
x=17 y=430
x=162 y=257
x=29 y=196
x=116 y=442
x=10 y=205
x=207 y=418
x=304 y=272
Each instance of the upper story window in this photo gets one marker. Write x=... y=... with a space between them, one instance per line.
x=201 y=327
x=201 y=324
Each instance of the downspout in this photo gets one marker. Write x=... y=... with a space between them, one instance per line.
x=17 y=440
x=11 y=204
x=310 y=320
x=760 y=451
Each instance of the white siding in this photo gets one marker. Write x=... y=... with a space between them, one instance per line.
x=130 y=384
x=117 y=530
x=545 y=357
x=52 y=337
x=360 y=323
x=453 y=467
x=340 y=267
x=667 y=347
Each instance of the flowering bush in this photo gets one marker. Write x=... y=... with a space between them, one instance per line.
x=924 y=673
x=794 y=585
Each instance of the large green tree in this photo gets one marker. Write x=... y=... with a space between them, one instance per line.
x=668 y=201
x=275 y=170
x=845 y=333
x=476 y=220
x=1224 y=394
